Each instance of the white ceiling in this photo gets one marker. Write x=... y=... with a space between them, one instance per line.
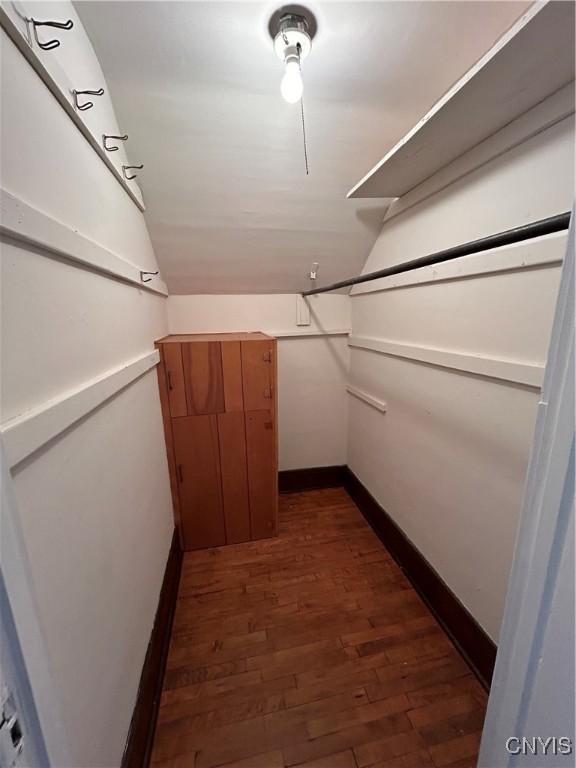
x=196 y=87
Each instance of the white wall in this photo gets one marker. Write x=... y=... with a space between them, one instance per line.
x=94 y=503
x=532 y=692
x=312 y=370
x=448 y=459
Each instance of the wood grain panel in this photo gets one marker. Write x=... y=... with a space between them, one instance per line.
x=257 y=374
x=199 y=482
x=262 y=481
x=232 y=438
x=202 y=363
x=172 y=356
x=232 y=375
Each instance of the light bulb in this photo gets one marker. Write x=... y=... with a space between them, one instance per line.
x=292 y=86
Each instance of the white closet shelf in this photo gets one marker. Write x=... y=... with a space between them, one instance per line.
x=57 y=83
x=517 y=73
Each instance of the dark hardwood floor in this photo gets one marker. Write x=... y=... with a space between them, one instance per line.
x=312 y=650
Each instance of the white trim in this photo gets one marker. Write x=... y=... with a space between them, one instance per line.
x=27 y=224
x=557 y=107
x=57 y=83
x=527 y=374
x=380 y=405
x=29 y=431
x=309 y=334
x=540 y=252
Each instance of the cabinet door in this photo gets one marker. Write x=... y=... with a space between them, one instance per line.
x=202 y=363
x=172 y=356
x=257 y=375
x=232 y=375
x=262 y=479
x=232 y=439
x=199 y=482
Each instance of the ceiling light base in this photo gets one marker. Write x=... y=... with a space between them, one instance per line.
x=292 y=29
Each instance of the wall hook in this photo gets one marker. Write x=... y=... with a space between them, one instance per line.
x=106 y=136
x=50 y=44
x=88 y=104
x=129 y=168
x=147 y=273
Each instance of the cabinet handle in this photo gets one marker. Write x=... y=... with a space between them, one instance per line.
x=267 y=357
x=268 y=393
x=180 y=473
x=169 y=380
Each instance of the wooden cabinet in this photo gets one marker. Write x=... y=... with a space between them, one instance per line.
x=218 y=395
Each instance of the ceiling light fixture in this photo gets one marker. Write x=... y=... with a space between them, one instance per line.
x=292 y=29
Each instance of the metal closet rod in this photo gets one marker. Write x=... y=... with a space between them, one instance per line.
x=516 y=235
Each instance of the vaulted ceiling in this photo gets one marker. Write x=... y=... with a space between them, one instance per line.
x=196 y=86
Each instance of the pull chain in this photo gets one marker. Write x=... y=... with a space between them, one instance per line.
x=304 y=136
